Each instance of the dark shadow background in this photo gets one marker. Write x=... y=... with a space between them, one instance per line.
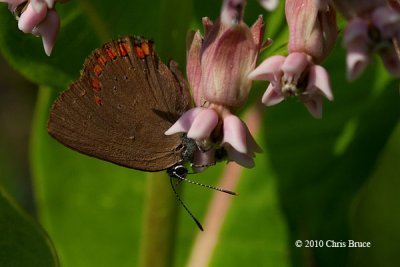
x=17 y=100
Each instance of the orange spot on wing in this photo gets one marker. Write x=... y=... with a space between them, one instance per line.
x=97 y=99
x=98 y=70
x=100 y=58
x=111 y=52
x=123 y=48
x=146 y=49
x=139 y=52
x=96 y=85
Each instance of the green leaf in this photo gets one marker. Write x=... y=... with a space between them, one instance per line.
x=321 y=164
x=374 y=216
x=22 y=240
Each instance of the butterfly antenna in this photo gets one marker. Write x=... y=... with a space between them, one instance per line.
x=183 y=204
x=206 y=185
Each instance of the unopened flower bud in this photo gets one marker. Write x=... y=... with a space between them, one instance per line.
x=311 y=30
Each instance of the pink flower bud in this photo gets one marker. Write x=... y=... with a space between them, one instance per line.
x=218 y=65
x=311 y=30
x=225 y=63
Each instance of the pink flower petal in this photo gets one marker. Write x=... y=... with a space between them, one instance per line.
x=252 y=145
x=48 y=29
x=269 y=69
x=235 y=133
x=294 y=66
x=38 y=5
x=314 y=106
x=356 y=42
x=50 y=3
x=203 y=124
x=31 y=17
x=318 y=79
x=356 y=29
x=322 y=4
x=357 y=59
x=232 y=11
x=183 y=124
x=202 y=160
x=387 y=20
x=207 y=25
x=272 y=96
x=193 y=67
x=240 y=158
x=269 y=4
x=258 y=30
x=391 y=60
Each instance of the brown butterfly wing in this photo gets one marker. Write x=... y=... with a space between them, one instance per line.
x=119 y=109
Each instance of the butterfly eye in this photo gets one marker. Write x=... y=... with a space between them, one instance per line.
x=178 y=171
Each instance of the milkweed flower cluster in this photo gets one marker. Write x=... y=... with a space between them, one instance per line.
x=312 y=36
x=218 y=65
x=221 y=65
x=37 y=17
x=373 y=26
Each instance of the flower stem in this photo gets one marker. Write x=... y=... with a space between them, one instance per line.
x=160 y=223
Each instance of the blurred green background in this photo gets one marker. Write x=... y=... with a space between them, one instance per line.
x=330 y=179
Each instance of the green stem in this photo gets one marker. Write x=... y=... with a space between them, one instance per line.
x=160 y=219
x=160 y=223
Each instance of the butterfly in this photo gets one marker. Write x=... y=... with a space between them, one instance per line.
x=119 y=109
